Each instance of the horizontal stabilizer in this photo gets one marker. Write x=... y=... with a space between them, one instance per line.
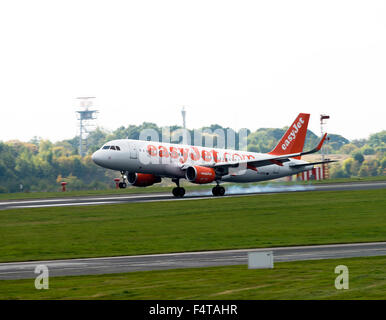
x=311 y=163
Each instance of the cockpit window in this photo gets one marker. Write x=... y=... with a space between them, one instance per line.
x=111 y=148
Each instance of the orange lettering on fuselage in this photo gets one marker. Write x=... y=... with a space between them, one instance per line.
x=163 y=152
x=195 y=155
x=248 y=157
x=215 y=153
x=206 y=155
x=184 y=154
x=152 y=150
x=173 y=153
x=236 y=155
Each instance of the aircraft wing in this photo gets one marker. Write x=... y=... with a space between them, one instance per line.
x=270 y=159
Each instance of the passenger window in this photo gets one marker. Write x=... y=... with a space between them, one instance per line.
x=112 y=148
x=118 y=148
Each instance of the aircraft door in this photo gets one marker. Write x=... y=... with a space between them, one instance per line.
x=133 y=152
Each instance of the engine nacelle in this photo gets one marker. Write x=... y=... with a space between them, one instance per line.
x=142 y=179
x=200 y=175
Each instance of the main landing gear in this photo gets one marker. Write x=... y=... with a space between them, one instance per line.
x=218 y=190
x=123 y=184
x=178 y=192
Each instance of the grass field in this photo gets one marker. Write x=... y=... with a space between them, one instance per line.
x=192 y=225
x=156 y=188
x=288 y=280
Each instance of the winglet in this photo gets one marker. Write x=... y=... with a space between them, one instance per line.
x=318 y=147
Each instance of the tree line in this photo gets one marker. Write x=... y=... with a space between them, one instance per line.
x=40 y=165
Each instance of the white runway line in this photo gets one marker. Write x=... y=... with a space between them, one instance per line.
x=62 y=204
x=82 y=198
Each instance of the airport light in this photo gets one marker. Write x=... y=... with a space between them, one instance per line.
x=63 y=186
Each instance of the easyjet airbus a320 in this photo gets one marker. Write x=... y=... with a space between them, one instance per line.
x=144 y=163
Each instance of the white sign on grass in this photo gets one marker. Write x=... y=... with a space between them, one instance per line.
x=260 y=260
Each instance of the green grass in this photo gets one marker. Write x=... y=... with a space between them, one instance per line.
x=192 y=225
x=156 y=188
x=288 y=280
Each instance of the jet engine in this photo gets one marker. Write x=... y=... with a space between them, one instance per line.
x=200 y=175
x=142 y=179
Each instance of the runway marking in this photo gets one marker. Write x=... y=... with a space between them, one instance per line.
x=61 y=205
x=113 y=197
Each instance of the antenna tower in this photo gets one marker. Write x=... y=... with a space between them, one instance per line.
x=183 y=112
x=86 y=117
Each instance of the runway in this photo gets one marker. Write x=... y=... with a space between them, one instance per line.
x=190 y=195
x=25 y=270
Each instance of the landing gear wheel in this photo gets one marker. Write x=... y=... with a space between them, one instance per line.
x=218 y=191
x=122 y=185
x=181 y=192
x=178 y=192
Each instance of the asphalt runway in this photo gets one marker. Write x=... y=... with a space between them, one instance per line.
x=190 y=195
x=25 y=270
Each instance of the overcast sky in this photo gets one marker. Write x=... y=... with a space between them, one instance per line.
x=236 y=63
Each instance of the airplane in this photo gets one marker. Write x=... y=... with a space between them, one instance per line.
x=143 y=163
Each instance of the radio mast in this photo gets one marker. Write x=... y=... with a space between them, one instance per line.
x=183 y=112
x=86 y=117
x=325 y=168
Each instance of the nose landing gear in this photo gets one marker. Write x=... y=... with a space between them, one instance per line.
x=123 y=184
x=178 y=192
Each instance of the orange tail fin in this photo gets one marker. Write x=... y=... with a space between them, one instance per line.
x=293 y=139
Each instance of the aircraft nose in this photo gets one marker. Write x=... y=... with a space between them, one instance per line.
x=96 y=157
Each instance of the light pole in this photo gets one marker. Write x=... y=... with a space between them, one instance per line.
x=324 y=165
x=323 y=117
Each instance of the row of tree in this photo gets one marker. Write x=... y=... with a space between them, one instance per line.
x=40 y=165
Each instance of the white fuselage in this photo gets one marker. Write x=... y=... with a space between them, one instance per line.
x=169 y=160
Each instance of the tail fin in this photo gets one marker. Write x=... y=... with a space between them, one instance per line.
x=293 y=139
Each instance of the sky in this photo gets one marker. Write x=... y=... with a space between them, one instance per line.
x=240 y=64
